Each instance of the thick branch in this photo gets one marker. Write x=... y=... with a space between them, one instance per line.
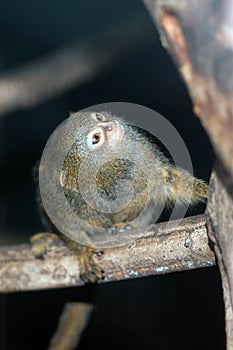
x=199 y=36
x=220 y=227
x=154 y=252
x=70 y=65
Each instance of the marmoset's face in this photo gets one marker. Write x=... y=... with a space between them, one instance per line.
x=105 y=131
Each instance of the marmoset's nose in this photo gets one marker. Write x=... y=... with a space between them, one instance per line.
x=113 y=132
x=109 y=126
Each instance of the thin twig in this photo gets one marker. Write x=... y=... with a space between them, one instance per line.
x=154 y=252
x=70 y=65
x=72 y=322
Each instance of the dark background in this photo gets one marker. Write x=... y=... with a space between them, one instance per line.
x=179 y=311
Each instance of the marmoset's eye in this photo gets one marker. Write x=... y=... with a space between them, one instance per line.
x=98 y=117
x=95 y=138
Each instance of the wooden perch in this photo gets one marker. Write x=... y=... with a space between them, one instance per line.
x=154 y=252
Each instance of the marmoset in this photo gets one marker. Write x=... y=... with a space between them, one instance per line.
x=113 y=175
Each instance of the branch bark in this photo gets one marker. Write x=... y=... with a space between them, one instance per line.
x=220 y=233
x=199 y=36
x=155 y=251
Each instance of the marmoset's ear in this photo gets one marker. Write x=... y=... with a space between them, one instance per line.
x=98 y=117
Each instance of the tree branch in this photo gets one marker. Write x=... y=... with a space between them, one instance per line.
x=199 y=36
x=154 y=252
x=70 y=65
